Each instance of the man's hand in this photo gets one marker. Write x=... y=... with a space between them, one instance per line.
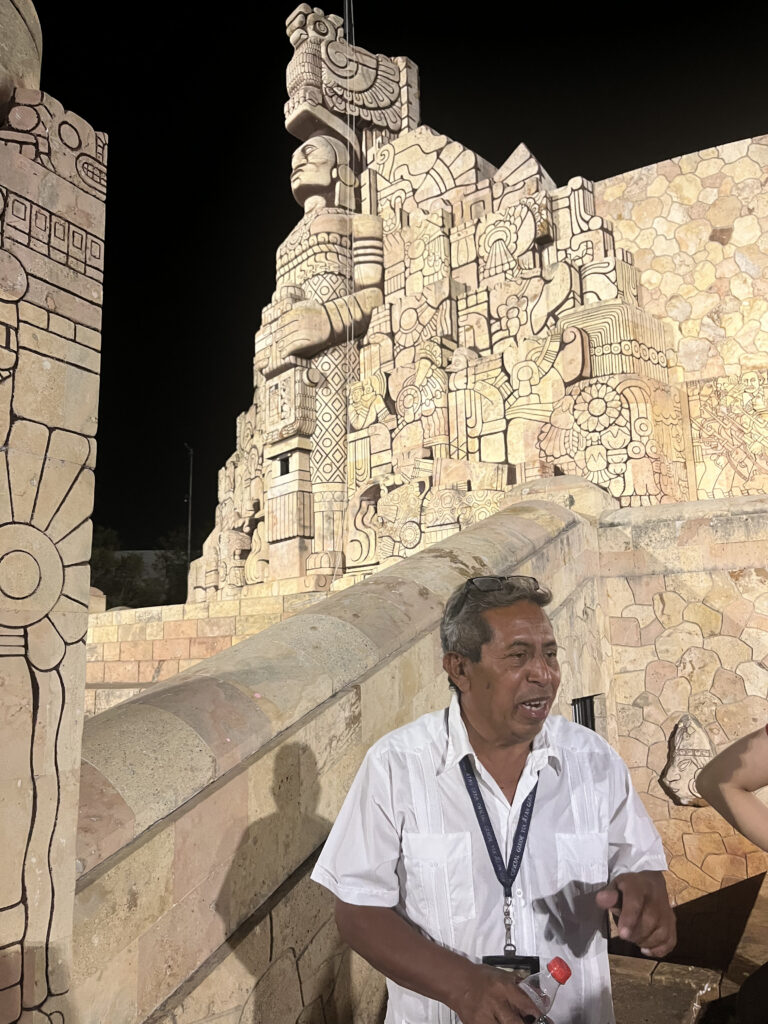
x=479 y=994
x=646 y=917
x=487 y=995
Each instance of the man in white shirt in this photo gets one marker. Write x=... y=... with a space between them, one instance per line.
x=490 y=829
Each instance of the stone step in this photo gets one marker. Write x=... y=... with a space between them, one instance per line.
x=649 y=992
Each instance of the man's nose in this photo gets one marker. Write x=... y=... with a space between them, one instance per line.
x=540 y=669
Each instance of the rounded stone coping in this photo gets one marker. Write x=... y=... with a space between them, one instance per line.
x=649 y=516
x=146 y=757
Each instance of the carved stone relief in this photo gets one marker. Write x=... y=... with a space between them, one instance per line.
x=487 y=317
x=51 y=244
x=730 y=434
x=690 y=748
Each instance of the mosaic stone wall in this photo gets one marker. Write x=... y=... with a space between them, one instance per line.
x=687 y=638
x=697 y=229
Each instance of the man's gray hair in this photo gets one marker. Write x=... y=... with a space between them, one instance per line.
x=463 y=629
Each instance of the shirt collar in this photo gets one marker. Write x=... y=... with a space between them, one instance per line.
x=543 y=749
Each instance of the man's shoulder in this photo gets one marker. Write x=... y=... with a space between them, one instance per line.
x=577 y=739
x=422 y=732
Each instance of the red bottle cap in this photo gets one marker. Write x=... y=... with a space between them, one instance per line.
x=559 y=970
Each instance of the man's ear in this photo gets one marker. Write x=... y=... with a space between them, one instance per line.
x=455 y=668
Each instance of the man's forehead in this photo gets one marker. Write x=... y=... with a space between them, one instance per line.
x=518 y=619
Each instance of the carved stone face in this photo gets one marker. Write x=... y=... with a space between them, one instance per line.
x=690 y=749
x=313 y=166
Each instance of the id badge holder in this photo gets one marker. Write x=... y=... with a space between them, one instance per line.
x=521 y=967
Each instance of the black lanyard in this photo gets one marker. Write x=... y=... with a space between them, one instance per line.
x=506 y=874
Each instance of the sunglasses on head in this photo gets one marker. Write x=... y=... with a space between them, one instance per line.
x=485 y=584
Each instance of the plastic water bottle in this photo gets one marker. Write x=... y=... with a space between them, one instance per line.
x=542 y=988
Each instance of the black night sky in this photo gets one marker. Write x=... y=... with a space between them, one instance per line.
x=198 y=194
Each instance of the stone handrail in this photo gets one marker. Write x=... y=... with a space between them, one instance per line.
x=148 y=756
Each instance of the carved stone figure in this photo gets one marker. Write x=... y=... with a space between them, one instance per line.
x=430 y=308
x=690 y=748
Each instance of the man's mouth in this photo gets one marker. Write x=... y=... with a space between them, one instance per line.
x=536 y=707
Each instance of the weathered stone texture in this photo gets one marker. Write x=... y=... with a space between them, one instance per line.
x=52 y=187
x=704 y=686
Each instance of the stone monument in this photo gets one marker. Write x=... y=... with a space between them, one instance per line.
x=52 y=189
x=440 y=331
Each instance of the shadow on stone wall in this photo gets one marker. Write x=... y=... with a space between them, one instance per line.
x=300 y=969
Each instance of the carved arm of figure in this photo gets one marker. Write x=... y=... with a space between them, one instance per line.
x=310 y=327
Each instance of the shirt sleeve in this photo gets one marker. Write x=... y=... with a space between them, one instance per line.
x=360 y=857
x=633 y=842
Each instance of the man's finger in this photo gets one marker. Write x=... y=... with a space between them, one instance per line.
x=651 y=934
x=632 y=905
x=653 y=926
x=661 y=940
x=608 y=898
x=657 y=952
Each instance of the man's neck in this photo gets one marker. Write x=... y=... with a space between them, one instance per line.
x=504 y=761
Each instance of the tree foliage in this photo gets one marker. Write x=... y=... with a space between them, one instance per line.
x=125 y=578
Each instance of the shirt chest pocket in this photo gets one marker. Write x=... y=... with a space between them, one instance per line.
x=438 y=879
x=581 y=857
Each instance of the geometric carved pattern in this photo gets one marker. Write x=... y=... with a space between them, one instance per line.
x=730 y=434
x=432 y=313
x=329 y=441
x=49 y=363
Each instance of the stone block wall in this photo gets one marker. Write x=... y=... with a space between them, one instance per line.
x=304 y=972
x=130 y=649
x=697 y=230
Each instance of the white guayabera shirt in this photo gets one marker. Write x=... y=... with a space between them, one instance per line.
x=407 y=837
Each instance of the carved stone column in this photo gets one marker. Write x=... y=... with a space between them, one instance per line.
x=52 y=189
x=328 y=461
x=291 y=419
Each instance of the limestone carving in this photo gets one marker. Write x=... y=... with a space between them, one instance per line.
x=51 y=226
x=690 y=748
x=730 y=434
x=431 y=310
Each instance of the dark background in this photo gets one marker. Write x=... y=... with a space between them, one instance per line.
x=199 y=198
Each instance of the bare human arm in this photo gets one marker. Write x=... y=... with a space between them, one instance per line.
x=477 y=993
x=729 y=782
x=645 y=917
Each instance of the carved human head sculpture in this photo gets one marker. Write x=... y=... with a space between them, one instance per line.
x=321 y=174
x=690 y=748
